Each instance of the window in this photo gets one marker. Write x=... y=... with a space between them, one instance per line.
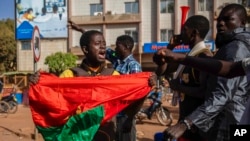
x=133 y=34
x=205 y=5
x=131 y=7
x=25 y=45
x=95 y=8
x=166 y=34
x=167 y=6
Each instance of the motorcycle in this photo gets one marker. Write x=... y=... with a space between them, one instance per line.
x=12 y=101
x=163 y=115
x=4 y=109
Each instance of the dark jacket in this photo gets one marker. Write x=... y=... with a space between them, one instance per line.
x=225 y=98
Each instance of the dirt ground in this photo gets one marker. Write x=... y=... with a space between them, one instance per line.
x=19 y=126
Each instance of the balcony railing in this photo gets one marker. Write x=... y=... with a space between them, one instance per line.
x=107 y=19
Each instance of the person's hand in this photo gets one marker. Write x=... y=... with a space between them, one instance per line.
x=164 y=55
x=175 y=131
x=127 y=125
x=34 y=78
x=74 y=26
x=158 y=57
x=174 y=41
x=152 y=80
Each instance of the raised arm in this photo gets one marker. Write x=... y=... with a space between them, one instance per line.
x=75 y=27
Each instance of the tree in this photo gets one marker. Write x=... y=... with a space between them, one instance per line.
x=59 y=62
x=7 y=46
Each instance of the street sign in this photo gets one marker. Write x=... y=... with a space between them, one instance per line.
x=35 y=44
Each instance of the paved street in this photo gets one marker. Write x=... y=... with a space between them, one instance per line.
x=19 y=126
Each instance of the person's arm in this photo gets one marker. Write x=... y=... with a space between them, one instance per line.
x=163 y=67
x=75 y=27
x=217 y=67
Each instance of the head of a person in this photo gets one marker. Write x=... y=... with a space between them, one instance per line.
x=195 y=29
x=124 y=46
x=165 y=82
x=44 y=11
x=93 y=45
x=232 y=16
x=30 y=11
x=55 y=8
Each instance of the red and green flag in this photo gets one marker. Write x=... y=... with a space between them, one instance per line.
x=72 y=109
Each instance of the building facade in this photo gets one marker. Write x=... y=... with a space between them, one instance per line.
x=151 y=23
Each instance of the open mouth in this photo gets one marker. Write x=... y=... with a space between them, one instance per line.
x=102 y=54
x=220 y=31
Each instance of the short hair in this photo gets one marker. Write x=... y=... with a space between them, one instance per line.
x=200 y=23
x=240 y=10
x=55 y=8
x=29 y=10
x=126 y=40
x=86 y=37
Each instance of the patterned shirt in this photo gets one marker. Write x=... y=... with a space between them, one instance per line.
x=127 y=66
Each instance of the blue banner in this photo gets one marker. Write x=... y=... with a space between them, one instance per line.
x=153 y=47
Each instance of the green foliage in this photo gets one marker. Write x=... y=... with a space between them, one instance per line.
x=7 y=46
x=59 y=62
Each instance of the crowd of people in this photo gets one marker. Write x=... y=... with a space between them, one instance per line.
x=211 y=90
x=225 y=99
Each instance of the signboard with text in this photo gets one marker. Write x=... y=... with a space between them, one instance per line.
x=153 y=47
x=49 y=16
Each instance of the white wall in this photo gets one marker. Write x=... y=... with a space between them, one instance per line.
x=117 y=6
x=148 y=21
